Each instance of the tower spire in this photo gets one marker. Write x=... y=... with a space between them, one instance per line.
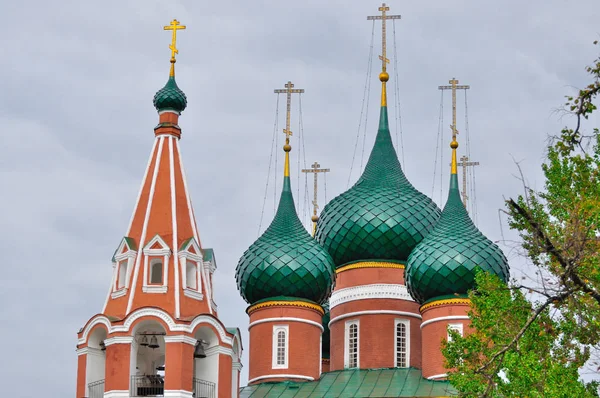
x=288 y=90
x=174 y=25
x=383 y=76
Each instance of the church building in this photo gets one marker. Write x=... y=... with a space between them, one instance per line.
x=359 y=308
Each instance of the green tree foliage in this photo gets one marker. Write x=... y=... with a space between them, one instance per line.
x=533 y=340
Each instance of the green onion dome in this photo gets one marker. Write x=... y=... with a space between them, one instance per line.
x=285 y=260
x=170 y=97
x=326 y=335
x=445 y=262
x=382 y=217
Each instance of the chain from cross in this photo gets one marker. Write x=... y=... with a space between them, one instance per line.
x=383 y=17
x=454 y=86
x=315 y=170
x=174 y=26
x=288 y=90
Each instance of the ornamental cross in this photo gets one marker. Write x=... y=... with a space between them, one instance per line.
x=383 y=17
x=454 y=86
x=288 y=90
x=174 y=26
x=315 y=170
x=464 y=162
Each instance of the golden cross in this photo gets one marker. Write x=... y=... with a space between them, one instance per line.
x=174 y=26
x=289 y=89
x=454 y=86
x=315 y=169
x=383 y=17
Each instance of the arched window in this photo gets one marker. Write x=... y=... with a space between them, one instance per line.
x=156 y=272
x=280 y=347
x=402 y=348
x=191 y=275
x=351 y=358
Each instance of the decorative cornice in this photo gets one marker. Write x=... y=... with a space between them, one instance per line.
x=118 y=340
x=196 y=295
x=373 y=291
x=119 y=293
x=217 y=349
x=439 y=303
x=369 y=264
x=117 y=394
x=277 y=303
x=445 y=318
x=373 y=312
x=180 y=338
x=237 y=366
x=286 y=319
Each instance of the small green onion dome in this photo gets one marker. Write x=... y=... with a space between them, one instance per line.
x=285 y=260
x=326 y=336
x=170 y=97
x=445 y=262
x=382 y=217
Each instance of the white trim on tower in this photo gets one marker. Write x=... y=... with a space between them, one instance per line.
x=174 y=217
x=373 y=312
x=445 y=318
x=145 y=225
x=366 y=292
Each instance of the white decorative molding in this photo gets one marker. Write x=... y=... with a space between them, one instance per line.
x=194 y=294
x=180 y=338
x=373 y=312
x=119 y=293
x=366 y=292
x=82 y=351
x=217 y=349
x=282 y=376
x=174 y=225
x=164 y=250
x=214 y=304
x=445 y=318
x=118 y=340
x=163 y=316
x=194 y=227
x=154 y=289
x=284 y=319
x=440 y=376
x=145 y=225
x=178 y=394
x=117 y=394
x=237 y=366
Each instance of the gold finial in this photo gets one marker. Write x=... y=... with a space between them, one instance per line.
x=315 y=170
x=289 y=89
x=454 y=144
x=174 y=26
x=383 y=76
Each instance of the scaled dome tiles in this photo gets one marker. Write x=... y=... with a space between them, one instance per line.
x=170 y=97
x=285 y=260
x=445 y=262
x=382 y=217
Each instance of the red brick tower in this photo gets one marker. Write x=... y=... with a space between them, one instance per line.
x=159 y=332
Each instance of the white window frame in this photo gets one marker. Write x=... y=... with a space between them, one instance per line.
x=458 y=327
x=276 y=330
x=163 y=253
x=406 y=324
x=347 y=326
x=184 y=256
x=129 y=256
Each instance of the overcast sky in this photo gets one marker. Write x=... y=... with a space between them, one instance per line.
x=77 y=127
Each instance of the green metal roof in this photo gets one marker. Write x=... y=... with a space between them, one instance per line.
x=170 y=97
x=285 y=260
x=395 y=382
x=445 y=262
x=208 y=254
x=129 y=242
x=382 y=216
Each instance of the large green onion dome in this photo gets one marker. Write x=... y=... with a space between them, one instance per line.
x=326 y=336
x=445 y=262
x=285 y=260
x=382 y=217
x=170 y=97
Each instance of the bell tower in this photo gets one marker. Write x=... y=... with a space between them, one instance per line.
x=159 y=333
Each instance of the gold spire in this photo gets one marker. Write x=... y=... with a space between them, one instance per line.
x=315 y=170
x=288 y=90
x=174 y=26
x=383 y=76
x=454 y=144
